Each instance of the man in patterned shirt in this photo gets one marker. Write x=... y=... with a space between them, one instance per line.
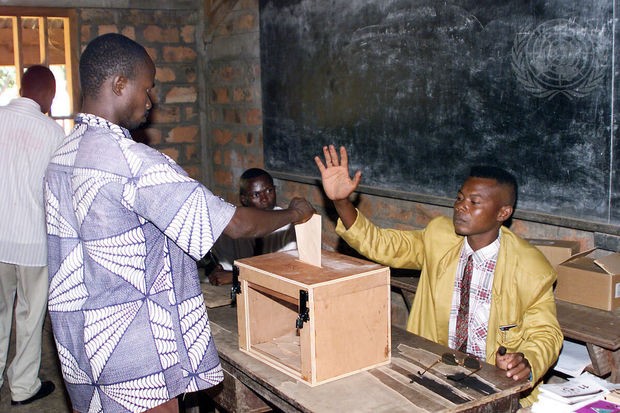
x=125 y=227
x=510 y=300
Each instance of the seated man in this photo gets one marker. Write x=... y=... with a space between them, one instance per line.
x=256 y=190
x=507 y=284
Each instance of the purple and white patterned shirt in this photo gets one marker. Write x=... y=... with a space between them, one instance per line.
x=480 y=292
x=125 y=225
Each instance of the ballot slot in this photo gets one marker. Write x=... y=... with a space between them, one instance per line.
x=315 y=324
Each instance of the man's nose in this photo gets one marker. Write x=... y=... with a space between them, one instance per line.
x=460 y=206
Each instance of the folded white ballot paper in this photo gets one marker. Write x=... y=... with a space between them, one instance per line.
x=309 y=240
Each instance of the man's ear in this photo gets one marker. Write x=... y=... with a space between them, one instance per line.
x=504 y=213
x=118 y=84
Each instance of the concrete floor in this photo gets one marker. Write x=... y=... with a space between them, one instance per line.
x=58 y=401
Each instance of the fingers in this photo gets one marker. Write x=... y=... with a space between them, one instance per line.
x=516 y=366
x=328 y=155
x=357 y=178
x=304 y=209
x=521 y=371
x=319 y=164
x=334 y=156
x=331 y=158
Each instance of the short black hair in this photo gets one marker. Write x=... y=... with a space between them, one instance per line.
x=109 y=55
x=502 y=176
x=252 y=173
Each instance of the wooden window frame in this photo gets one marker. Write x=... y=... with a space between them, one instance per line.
x=71 y=51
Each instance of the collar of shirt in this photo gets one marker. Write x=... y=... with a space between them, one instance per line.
x=483 y=254
x=96 y=121
x=22 y=102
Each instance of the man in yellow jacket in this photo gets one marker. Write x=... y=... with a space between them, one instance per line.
x=510 y=302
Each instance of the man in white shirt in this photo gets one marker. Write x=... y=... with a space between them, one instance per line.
x=256 y=189
x=28 y=139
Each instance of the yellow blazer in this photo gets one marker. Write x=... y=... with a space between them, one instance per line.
x=522 y=292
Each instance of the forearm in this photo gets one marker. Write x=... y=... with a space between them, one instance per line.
x=253 y=222
x=346 y=212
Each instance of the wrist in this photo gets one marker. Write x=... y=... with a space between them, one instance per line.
x=296 y=215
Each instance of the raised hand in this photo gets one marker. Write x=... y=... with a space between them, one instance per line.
x=337 y=183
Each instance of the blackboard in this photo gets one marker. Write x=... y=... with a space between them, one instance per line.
x=418 y=91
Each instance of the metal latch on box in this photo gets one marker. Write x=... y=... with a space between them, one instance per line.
x=304 y=311
x=236 y=286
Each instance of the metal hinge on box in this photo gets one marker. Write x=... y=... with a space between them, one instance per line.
x=236 y=286
x=304 y=311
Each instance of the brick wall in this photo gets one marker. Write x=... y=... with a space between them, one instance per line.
x=234 y=127
x=170 y=39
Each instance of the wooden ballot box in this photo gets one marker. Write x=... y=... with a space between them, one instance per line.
x=315 y=324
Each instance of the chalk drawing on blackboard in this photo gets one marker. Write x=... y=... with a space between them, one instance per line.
x=559 y=57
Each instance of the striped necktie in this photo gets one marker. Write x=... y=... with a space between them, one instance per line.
x=463 y=314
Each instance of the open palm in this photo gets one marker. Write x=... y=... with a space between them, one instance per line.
x=337 y=183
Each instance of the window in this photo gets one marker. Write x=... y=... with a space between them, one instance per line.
x=39 y=36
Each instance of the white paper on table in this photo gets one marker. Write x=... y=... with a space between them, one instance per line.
x=574 y=358
x=309 y=240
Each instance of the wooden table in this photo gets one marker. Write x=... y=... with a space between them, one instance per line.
x=382 y=389
x=598 y=329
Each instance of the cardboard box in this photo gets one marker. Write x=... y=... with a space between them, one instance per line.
x=315 y=324
x=556 y=251
x=590 y=278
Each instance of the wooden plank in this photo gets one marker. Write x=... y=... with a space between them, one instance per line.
x=417 y=395
x=600 y=362
x=605 y=362
x=360 y=314
x=590 y=325
x=284 y=349
x=409 y=284
x=269 y=281
x=216 y=295
x=287 y=266
x=269 y=317
x=233 y=396
x=275 y=294
x=615 y=366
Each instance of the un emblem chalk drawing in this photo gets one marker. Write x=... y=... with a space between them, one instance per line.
x=559 y=57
